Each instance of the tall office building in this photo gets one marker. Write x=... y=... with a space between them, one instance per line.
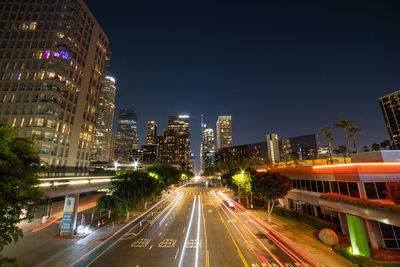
x=53 y=56
x=127 y=135
x=273 y=148
x=255 y=152
x=101 y=150
x=224 y=131
x=176 y=147
x=301 y=147
x=390 y=105
x=151 y=132
x=207 y=149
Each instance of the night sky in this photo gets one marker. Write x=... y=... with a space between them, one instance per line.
x=288 y=67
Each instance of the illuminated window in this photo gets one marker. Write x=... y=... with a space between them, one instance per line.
x=39 y=122
x=32 y=26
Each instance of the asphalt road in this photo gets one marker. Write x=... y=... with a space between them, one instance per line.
x=197 y=226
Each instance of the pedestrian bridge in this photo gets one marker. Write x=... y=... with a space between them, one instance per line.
x=61 y=186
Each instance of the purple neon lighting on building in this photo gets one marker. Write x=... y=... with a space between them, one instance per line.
x=46 y=53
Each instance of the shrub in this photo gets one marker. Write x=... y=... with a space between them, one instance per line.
x=393 y=189
x=366 y=203
x=300 y=216
x=385 y=254
x=345 y=251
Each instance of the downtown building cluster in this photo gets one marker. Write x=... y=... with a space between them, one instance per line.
x=171 y=146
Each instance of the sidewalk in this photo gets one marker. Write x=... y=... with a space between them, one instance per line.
x=301 y=235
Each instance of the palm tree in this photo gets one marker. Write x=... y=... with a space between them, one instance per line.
x=345 y=125
x=353 y=134
x=329 y=140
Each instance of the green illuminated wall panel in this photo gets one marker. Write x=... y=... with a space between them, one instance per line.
x=358 y=236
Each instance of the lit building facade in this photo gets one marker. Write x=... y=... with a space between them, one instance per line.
x=127 y=137
x=303 y=147
x=207 y=150
x=365 y=178
x=224 y=131
x=255 y=152
x=273 y=148
x=53 y=59
x=151 y=132
x=101 y=150
x=390 y=105
x=176 y=141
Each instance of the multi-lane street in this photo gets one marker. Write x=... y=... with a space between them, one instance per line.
x=197 y=226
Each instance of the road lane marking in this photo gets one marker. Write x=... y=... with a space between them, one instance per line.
x=187 y=233
x=198 y=231
x=176 y=255
x=234 y=242
x=150 y=247
x=141 y=243
x=205 y=236
x=167 y=243
x=160 y=233
x=184 y=228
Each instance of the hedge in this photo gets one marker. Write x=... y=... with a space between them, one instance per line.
x=366 y=203
x=345 y=251
x=314 y=222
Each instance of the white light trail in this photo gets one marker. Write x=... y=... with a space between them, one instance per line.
x=198 y=233
x=169 y=212
x=187 y=233
x=164 y=210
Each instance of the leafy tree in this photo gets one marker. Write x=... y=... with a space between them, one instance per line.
x=385 y=144
x=345 y=125
x=393 y=191
x=365 y=149
x=243 y=182
x=270 y=186
x=375 y=147
x=329 y=139
x=168 y=173
x=353 y=134
x=19 y=168
x=107 y=202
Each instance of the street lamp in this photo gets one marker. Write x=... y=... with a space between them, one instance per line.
x=135 y=164
x=116 y=165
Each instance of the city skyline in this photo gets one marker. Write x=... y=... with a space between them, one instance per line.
x=304 y=67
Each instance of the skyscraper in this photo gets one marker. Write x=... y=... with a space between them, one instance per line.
x=101 y=150
x=151 y=132
x=273 y=148
x=224 y=131
x=301 y=147
x=127 y=135
x=390 y=105
x=53 y=58
x=176 y=147
x=207 y=149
